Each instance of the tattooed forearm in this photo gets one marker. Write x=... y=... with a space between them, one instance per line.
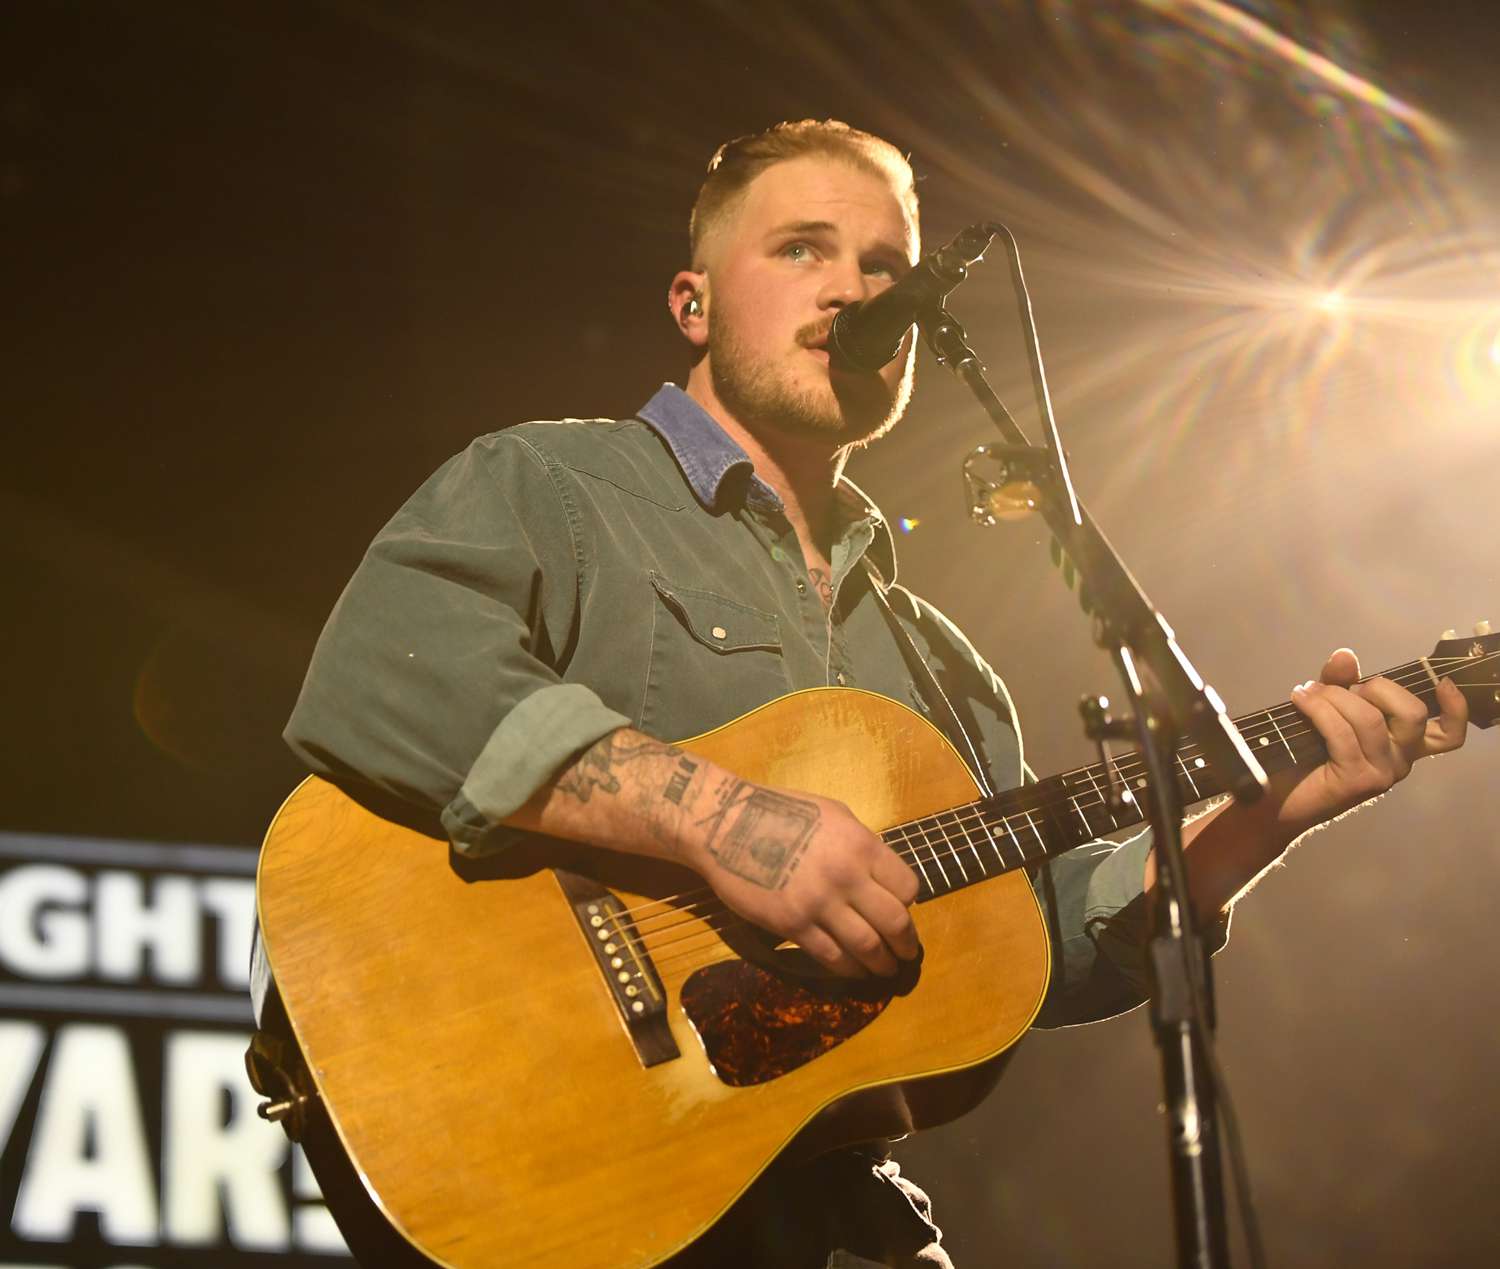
x=598 y=766
x=759 y=834
x=586 y=775
x=656 y=799
x=677 y=786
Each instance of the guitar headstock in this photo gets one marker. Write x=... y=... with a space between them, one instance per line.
x=1474 y=665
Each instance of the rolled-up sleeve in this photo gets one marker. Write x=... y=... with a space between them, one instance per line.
x=438 y=677
x=1096 y=908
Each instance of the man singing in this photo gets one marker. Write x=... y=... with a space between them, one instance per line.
x=559 y=602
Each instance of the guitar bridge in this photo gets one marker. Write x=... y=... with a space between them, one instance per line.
x=625 y=965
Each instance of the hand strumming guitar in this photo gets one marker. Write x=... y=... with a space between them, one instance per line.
x=798 y=865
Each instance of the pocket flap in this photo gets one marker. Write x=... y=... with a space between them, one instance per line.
x=716 y=622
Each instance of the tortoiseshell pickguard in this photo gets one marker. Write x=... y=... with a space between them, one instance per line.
x=756 y=1025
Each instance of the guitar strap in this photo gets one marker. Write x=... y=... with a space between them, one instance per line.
x=949 y=723
x=938 y=704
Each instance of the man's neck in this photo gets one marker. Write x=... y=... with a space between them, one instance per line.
x=801 y=471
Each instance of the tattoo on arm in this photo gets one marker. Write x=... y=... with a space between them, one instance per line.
x=759 y=834
x=597 y=766
x=677 y=786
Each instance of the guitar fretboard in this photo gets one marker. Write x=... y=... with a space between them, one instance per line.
x=1026 y=825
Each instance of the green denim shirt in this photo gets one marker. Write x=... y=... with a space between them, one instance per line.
x=558 y=580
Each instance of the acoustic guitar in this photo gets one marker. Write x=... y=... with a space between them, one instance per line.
x=569 y=1058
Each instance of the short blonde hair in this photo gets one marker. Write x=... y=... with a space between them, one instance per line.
x=737 y=163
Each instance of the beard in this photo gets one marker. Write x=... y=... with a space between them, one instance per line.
x=848 y=409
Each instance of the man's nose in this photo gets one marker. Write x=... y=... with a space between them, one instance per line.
x=843 y=285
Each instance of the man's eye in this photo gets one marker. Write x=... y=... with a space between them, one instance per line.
x=797 y=251
x=881 y=270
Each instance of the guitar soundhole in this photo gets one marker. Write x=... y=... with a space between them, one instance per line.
x=756 y=1025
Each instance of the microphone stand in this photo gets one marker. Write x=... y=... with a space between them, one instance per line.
x=1167 y=698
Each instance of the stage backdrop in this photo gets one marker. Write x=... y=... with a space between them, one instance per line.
x=130 y=1133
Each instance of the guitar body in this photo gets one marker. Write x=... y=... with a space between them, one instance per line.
x=479 y=1073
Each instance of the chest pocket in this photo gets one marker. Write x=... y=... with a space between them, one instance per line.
x=712 y=659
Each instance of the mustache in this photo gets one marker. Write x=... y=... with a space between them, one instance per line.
x=814 y=334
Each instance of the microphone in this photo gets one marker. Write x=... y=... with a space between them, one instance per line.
x=868 y=333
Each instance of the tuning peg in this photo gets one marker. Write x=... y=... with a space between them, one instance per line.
x=1449 y=634
x=1481 y=627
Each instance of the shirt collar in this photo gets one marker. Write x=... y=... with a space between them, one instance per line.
x=706 y=455
x=708 y=458
x=855 y=506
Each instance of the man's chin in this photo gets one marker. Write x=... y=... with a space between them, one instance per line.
x=867 y=410
x=839 y=422
x=838 y=408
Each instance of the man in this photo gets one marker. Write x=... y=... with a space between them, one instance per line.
x=557 y=604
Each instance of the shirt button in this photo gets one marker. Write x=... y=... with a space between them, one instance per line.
x=719 y=632
x=839 y=678
x=801 y=587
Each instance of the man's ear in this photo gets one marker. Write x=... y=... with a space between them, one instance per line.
x=688 y=300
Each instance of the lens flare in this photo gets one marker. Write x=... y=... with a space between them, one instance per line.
x=1241 y=242
x=1231 y=26
x=1475 y=367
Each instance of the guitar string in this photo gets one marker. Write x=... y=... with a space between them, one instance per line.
x=705 y=947
x=1126 y=768
x=919 y=834
x=706 y=940
x=690 y=942
x=964 y=821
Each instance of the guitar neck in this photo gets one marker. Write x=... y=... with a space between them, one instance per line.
x=1025 y=825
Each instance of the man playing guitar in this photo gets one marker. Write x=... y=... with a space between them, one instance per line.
x=556 y=605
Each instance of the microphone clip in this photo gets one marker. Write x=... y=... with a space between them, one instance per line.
x=948 y=340
x=1011 y=490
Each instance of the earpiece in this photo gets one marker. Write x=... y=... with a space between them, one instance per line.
x=694 y=306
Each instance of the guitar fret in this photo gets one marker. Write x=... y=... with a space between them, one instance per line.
x=916 y=857
x=1088 y=829
x=1015 y=840
x=1040 y=841
x=1103 y=796
x=1286 y=744
x=954 y=855
x=943 y=872
x=994 y=845
x=1188 y=775
x=973 y=848
x=1127 y=794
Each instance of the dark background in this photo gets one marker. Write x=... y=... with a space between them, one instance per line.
x=267 y=265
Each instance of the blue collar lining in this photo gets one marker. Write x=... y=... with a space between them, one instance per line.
x=708 y=457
